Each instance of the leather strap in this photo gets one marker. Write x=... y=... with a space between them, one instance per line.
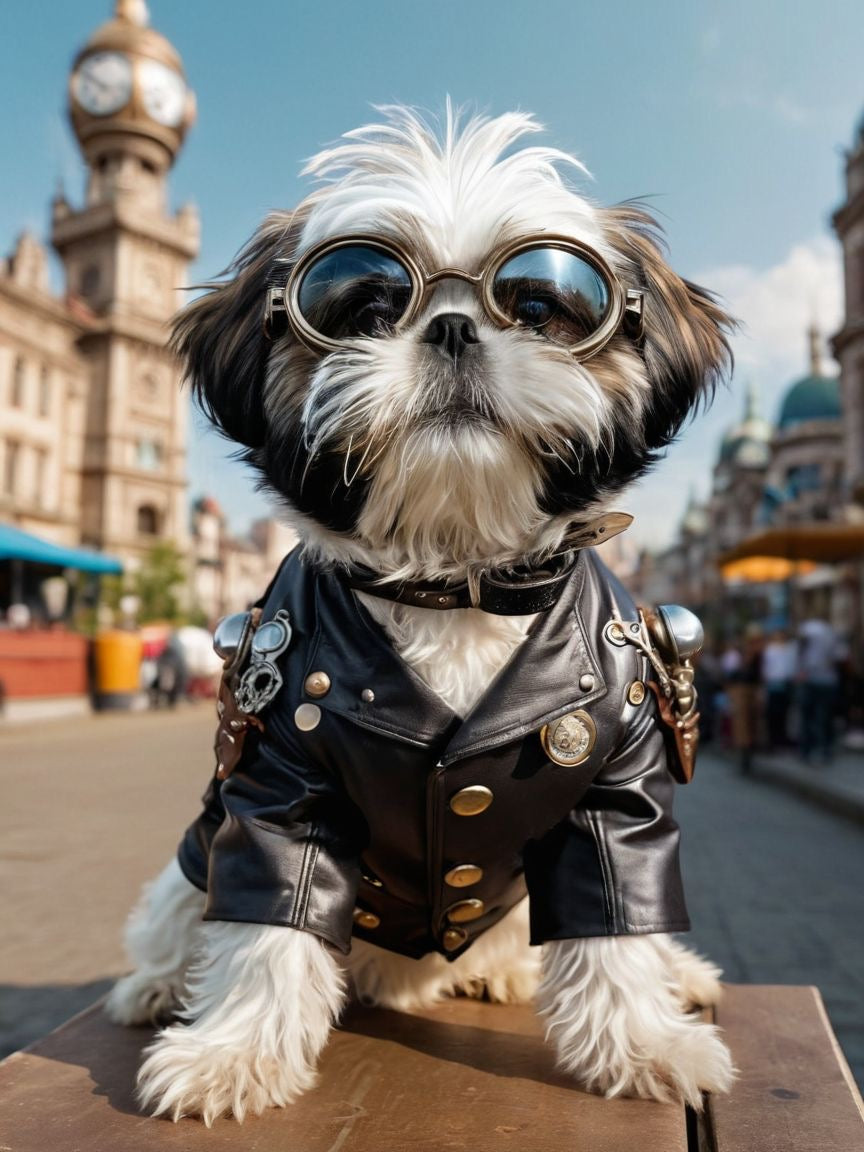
x=518 y=591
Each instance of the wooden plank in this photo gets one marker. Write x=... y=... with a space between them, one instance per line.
x=795 y=1092
x=463 y=1076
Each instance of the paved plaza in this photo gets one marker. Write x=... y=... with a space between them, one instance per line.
x=93 y=807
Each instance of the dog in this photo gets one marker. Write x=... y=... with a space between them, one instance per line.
x=446 y=363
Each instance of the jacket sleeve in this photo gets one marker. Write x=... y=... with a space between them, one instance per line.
x=611 y=867
x=281 y=842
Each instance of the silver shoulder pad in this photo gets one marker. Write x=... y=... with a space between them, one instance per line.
x=231 y=633
x=678 y=632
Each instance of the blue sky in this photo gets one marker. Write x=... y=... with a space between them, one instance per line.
x=732 y=116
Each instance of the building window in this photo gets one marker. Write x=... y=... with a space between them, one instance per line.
x=17 y=397
x=90 y=281
x=40 y=479
x=44 y=391
x=10 y=467
x=148 y=520
x=148 y=387
x=148 y=455
x=803 y=478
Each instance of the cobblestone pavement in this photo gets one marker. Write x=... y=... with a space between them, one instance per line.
x=92 y=808
x=775 y=887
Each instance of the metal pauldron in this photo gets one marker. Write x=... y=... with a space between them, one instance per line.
x=669 y=636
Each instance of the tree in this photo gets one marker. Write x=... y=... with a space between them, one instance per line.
x=158 y=583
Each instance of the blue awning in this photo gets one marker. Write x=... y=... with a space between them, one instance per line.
x=18 y=545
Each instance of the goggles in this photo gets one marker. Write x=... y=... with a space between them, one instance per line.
x=360 y=286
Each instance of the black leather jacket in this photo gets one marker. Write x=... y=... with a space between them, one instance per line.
x=349 y=826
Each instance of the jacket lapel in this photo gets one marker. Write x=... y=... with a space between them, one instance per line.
x=552 y=673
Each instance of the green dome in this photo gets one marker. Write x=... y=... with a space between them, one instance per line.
x=811 y=398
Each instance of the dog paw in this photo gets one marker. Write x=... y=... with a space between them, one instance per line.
x=515 y=985
x=185 y=1075
x=677 y=1067
x=698 y=981
x=142 y=999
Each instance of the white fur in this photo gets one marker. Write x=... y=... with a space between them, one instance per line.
x=614 y=1014
x=457 y=654
x=260 y=1002
x=161 y=936
x=499 y=964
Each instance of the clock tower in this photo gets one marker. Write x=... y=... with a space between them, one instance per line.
x=125 y=257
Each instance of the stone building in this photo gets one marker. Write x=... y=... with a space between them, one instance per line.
x=92 y=419
x=848 y=343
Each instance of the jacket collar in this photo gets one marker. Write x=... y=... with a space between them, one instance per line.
x=554 y=671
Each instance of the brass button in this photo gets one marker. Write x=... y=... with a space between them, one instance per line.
x=465 y=910
x=569 y=740
x=366 y=919
x=454 y=938
x=463 y=875
x=471 y=801
x=316 y=684
x=637 y=692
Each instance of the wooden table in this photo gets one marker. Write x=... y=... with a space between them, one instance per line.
x=464 y=1076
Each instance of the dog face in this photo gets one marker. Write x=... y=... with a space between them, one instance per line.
x=425 y=443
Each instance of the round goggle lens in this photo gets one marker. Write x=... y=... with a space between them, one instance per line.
x=554 y=291
x=353 y=291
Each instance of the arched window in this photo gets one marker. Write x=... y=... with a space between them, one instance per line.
x=148 y=520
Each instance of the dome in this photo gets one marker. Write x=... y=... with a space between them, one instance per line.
x=811 y=398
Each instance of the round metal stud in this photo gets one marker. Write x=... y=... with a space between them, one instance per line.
x=586 y=682
x=569 y=740
x=471 y=801
x=454 y=938
x=307 y=717
x=636 y=694
x=366 y=919
x=316 y=684
x=463 y=876
x=465 y=911
x=367 y=696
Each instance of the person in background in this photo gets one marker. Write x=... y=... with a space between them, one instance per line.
x=778 y=678
x=744 y=689
x=818 y=655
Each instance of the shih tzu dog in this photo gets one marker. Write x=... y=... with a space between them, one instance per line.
x=446 y=363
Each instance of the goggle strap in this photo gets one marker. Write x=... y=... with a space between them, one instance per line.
x=633 y=320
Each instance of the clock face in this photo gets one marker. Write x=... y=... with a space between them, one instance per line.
x=103 y=83
x=163 y=92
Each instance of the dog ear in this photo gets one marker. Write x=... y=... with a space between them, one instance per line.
x=220 y=337
x=685 y=339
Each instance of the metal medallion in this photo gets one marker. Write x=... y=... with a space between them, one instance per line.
x=570 y=739
x=262 y=680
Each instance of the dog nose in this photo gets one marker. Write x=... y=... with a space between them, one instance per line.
x=451 y=332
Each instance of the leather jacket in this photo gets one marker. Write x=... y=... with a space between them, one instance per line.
x=396 y=820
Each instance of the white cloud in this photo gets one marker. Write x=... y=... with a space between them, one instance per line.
x=775 y=306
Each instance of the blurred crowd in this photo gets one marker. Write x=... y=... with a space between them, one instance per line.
x=782 y=691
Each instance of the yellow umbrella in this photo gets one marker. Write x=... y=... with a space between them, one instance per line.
x=763 y=569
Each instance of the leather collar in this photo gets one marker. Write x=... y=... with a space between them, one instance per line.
x=517 y=591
